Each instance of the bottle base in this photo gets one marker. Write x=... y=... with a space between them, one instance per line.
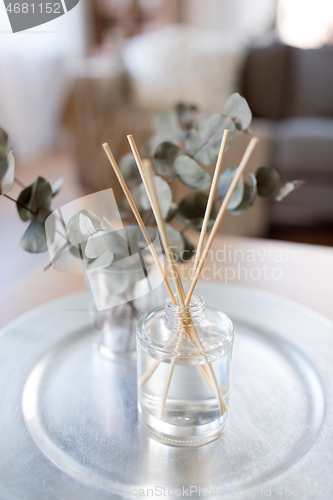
x=188 y=437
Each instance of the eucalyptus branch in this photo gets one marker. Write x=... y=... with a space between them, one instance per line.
x=20 y=204
x=199 y=148
x=172 y=178
x=19 y=183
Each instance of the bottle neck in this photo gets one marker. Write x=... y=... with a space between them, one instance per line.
x=193 y=315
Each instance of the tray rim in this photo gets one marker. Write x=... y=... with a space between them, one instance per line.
x=259 y=292
x=79 y=298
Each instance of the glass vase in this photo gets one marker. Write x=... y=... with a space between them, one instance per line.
x=121 y=293
x=184 y=367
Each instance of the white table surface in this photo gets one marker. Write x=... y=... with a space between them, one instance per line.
x=303 y=273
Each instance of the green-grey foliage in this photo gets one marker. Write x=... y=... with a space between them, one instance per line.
x=129 y=170
x=166 y=129
x=193 y=206
x=189 y=250
x=33 y=205
x=268 y=180
x=288 y=188
x=249 y=196
x=238 y=109
x=3 y=144
x=176 y=240
x=164 y=158
x=186 y=114
x=182 y=146
x=191 y=174
x=34 y=239
x=7 y=173
x=203 y=142
x=57 y=186
x=191 y=210
x=36 y=197
x=223 y=185
x=164 y=195
x=34 y=202
x=173 y=209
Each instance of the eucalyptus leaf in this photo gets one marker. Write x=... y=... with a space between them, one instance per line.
x=246 y=202
x=165 y=122
x=166 y=128
x=164 y=158
x=95 y=246
x=172 y=212
x=194 y=223
x=7 y=173
x=249 y=196
x=74 y=232
x=106 y=225
x=78 y=252
x=57 y=186
x=204 y=142
x=41 y=197
x=176 y=241
x=129 y=170
x=36 y=197
x=189 y=250
x=192 y=210
x=24 y=199
x=193 y=206
x=267 y=181
x=191 y=174
x=253 y=186
x=238 y=110
x=3 y=144
x=288 y=188
x=85 y=225
x=223 y=185
x=105 y=260
x=124 y=207
x=34 y=239
x=163 y=192
x=115 y=241
x=42 y=215
x=186 y=114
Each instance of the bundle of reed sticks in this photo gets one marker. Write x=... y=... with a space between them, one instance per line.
x=183 y=299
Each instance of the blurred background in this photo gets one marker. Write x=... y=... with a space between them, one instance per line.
x=101 y=70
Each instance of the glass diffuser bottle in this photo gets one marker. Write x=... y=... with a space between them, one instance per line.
x=184 y=365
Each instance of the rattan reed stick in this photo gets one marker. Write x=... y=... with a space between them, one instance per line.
x=138 y=219
x=152 y=196
x=210 y=201
x=247 y=155
x=149 y=183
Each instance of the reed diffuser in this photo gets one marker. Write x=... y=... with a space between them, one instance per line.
x=184 y=348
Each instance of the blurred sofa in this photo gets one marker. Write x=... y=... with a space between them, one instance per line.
x=290 y=92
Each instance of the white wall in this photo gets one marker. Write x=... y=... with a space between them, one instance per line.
x=33 y=77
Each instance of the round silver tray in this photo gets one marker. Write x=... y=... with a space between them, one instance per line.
x=68 y=418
